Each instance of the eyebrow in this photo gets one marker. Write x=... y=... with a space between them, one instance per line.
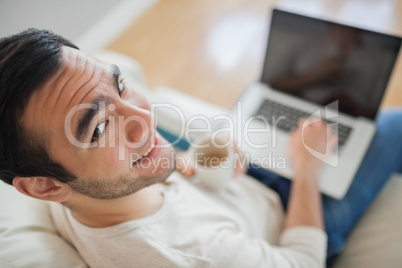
x=96 y=105
x=116 y=75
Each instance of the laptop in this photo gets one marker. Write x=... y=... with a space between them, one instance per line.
x=318 y=69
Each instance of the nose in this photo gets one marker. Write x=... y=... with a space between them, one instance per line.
x=136 y=125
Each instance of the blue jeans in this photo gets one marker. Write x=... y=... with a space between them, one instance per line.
x=383 y=158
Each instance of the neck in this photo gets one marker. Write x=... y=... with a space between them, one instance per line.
x=103 y=213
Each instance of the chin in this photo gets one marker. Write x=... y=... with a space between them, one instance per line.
x=163 y=173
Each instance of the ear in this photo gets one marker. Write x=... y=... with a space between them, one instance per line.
x=43 y=188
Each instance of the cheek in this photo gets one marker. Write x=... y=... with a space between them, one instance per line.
x=107 y=163
x=112 y=161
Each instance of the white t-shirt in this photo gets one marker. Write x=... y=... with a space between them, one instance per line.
x=240 y=227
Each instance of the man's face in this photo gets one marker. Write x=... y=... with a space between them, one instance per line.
x=98 y=128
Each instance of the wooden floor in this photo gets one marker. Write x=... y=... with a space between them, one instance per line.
x=214 y=49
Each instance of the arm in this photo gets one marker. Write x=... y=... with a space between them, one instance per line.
x=305 y=206
x=305 y=203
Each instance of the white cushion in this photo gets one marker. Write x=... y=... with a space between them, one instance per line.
x=28 y=237
x=377 y=239
x=27 y=234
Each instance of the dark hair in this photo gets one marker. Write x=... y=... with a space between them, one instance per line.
x=27 y=60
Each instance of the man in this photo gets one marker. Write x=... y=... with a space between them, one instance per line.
x=70 y=127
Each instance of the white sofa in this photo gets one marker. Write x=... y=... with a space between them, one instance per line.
x=28 y=237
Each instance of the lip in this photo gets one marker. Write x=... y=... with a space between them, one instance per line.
x=152 y=154
x=154 y=151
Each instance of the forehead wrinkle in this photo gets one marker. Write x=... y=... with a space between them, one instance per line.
x=92 y=88
x=86 y=94
x=58 y=78
x=85 y=67
x=84 y=84
x=103 y=73
x=75 y=70
x=66 y=81
x=55 y=89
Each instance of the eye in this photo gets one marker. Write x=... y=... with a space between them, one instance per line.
x=121 y=87
x=99 y=130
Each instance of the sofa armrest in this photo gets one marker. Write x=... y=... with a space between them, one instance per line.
x=376 y=241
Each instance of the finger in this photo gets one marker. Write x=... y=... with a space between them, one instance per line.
x=294 y=131
x=236 y=148
x=184 y=167
x=189 y=172
x=301 y=121
x=324 y=123
x=332 y=142
x=240 y=169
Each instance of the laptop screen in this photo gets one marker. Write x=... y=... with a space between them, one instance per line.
x=323 y=62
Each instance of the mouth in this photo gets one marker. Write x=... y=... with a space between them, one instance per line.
x=148 y=154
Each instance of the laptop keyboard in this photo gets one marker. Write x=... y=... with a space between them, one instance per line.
x=271 y=110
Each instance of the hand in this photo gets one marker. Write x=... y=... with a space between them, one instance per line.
x=184 y=164
x=311 y=134
x=239 y=154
